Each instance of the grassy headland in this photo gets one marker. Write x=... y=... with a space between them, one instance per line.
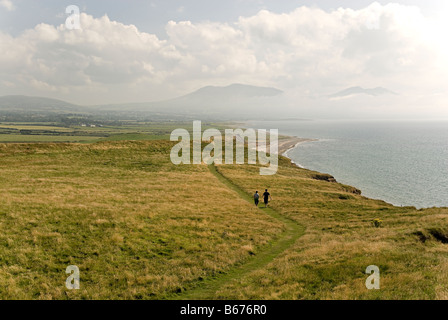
x=139 y=227
x=341 y=240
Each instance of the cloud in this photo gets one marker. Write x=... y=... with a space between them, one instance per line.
x=7 y=4
x=308 y=52
x=343 y=44
x=104 y=53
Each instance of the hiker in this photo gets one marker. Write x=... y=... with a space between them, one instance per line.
x=256 y=198
x=266 y=196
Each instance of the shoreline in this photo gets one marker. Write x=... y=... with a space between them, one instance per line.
x=298 y=141
x=286 y=143
x=290 y=144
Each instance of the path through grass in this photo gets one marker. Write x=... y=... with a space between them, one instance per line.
x=209 y=287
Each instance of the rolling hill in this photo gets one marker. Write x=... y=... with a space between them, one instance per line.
x=37 y=104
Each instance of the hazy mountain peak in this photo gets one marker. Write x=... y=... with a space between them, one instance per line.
x=352 y=91
x=236 y=90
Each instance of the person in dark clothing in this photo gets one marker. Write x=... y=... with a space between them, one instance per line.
x=266 y=197
x=256 y=198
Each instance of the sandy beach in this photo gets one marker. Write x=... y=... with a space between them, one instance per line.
x=286 y=143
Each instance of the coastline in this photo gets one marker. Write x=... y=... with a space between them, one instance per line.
x=291 y=143
x=285 y=143
x=288 y=143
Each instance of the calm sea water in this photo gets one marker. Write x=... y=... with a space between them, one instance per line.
x=401 y=162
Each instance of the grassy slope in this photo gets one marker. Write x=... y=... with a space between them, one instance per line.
x=329 y=261
x=137 y=226
x=141 y=228
x=210 y=289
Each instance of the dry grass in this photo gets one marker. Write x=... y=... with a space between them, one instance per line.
x=329 y=261
x=140 y=228
x=137 y=226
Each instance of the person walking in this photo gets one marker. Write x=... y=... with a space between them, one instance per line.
x=256 y=198
x=266 y=197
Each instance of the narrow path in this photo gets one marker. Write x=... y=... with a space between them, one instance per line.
x=207 y=288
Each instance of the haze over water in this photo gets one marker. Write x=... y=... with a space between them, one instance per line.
x=400 y=162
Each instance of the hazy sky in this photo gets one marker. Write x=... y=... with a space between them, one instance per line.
x=150 y=50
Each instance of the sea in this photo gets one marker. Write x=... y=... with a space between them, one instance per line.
x=404 y=163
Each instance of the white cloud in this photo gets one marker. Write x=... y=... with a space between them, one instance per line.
x=308 y=51
x=7 y=4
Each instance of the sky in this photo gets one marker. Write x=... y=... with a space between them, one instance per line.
x=138 y=51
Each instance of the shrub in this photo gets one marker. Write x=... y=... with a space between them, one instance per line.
x=377 y=223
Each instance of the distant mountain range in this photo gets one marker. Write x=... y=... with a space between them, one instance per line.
x=375 y=92
x=236 y=101
x=210 y=100
x=234 y=90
